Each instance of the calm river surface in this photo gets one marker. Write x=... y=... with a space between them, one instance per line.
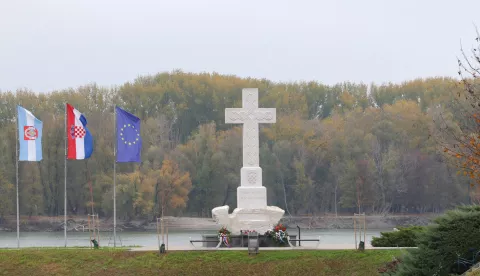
x=176 y=238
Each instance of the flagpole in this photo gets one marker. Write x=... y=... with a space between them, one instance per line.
x=16 y=177
x=65 y=196
x=114 y=181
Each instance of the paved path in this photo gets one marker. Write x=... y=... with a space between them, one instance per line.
x=320 y=247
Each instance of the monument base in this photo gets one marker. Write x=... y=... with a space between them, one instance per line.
x=242 y=241
x=261 y=220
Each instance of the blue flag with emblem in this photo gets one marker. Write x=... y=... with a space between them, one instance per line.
x=129 y=140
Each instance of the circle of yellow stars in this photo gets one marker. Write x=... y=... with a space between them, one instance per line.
x=126 y=142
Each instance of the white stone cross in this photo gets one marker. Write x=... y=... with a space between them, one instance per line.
x=250 y=116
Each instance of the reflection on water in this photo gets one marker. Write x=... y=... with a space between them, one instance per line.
x=176 y=238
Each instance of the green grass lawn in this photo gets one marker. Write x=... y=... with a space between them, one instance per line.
x=83 y=262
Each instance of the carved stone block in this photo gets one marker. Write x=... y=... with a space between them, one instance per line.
x=252 y=197
x=251 y=176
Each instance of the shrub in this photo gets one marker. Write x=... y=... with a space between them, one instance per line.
x=452 y=233
x=404 y=237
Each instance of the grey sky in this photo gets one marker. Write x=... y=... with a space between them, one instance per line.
x=46 y=45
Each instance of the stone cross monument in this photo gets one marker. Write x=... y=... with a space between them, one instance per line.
x=252 y=212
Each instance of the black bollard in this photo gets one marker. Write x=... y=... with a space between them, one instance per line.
x=361 y=246
x=95 y=244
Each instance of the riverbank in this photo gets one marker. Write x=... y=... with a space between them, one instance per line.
x=80 y=223
x=176 y=238
x=122 y=262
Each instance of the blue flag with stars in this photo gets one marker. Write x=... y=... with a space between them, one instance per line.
x=129 y=141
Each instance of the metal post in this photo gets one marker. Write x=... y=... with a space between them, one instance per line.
x=241 y=234
x=355 y=228
x=89 y=231
x=162 y=229
x=65 y=195
x=299 y=241
x=158 y=239
x=91 y=190
x=364 y=228
x=336 y=201
x=98 y=229
x=114 y=181
x=16 y=176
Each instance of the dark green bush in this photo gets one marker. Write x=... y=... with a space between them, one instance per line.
x=455 y=232
x=404 y=237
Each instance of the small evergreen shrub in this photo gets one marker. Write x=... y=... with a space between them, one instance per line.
x=404 y=237
x=455 y=232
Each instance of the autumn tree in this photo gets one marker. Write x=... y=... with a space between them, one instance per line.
x=328 y=140
x=460 y=132
x=171 y=185
x=7 y=191
x=196 y=157
x=135 y=194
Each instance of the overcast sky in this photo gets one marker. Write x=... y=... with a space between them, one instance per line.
x=47 y=45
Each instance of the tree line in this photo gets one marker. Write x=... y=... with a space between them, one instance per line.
x=340 y=148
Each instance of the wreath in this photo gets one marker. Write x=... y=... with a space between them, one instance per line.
x=224 y=236
x=279 y=234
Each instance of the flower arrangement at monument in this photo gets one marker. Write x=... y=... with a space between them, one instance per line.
x=279 y=234
x=224 y=236
x=246 y=232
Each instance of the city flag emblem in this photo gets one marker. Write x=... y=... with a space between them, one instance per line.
x=30 y=133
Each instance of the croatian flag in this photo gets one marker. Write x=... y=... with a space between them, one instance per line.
x=80 y=141
x=29 y=135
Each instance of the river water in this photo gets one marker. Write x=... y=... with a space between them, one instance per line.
x=175 y=238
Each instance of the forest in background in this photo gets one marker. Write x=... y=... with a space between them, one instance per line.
x=335 y=148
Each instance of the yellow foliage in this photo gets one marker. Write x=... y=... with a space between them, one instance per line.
x=174 y=185
x=347 y=100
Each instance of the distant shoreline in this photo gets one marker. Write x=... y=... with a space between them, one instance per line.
x=80 y=223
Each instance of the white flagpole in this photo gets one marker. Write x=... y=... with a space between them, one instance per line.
x=114 y=181
x=65 y=198
x=16 y=176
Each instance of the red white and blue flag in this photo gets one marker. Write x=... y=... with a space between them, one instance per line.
x=80 y=141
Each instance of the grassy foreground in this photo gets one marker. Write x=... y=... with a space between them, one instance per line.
x=121 y=262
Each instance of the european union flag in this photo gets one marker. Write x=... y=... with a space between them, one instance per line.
x=129 y=141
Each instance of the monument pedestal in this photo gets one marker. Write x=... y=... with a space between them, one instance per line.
x=252 y=197
x=261 y=219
